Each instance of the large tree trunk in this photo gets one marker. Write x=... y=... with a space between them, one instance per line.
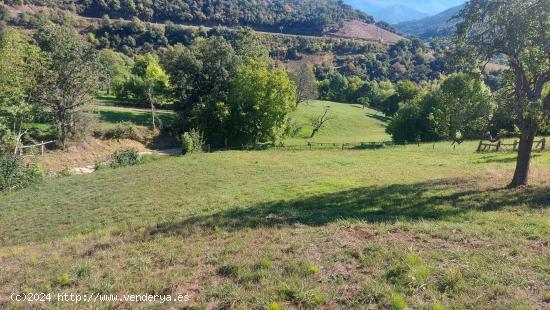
x=521 y=176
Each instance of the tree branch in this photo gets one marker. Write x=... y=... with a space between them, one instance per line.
x=541 y=81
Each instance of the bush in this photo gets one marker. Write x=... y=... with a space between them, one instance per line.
x=193 y=142
x=15 y=174
x=7 y=140
x=126 y=157
x=124 y=130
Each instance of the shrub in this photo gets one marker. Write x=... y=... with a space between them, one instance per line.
x=193 y=142
x=124 y=130
x=16 y=174
x=126 y=157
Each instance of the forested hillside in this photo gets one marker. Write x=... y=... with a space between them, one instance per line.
x=288 y=16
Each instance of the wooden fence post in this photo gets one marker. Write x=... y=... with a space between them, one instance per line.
x=543 y=146
x=42 y=148
x=515 y=146
x=498 y=145
x=478 y=148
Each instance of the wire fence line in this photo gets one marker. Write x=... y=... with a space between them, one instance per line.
x=306 y=146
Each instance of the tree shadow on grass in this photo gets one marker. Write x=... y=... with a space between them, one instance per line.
x=378 y=117
x=138 y=118
x=437 y=200
x=498 y=159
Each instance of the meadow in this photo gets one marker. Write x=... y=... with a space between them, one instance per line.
x=426 y=226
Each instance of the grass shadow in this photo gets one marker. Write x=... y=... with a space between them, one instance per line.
x=497 y=159
x=378 y=117
x=138 y=118
x=436 y=200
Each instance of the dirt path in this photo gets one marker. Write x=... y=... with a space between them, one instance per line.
x=166 y=152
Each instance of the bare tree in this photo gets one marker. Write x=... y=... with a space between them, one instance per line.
x=319 y=121
x=306 y=84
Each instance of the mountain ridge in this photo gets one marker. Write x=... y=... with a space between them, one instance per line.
x=432 y=27
x=396 y=11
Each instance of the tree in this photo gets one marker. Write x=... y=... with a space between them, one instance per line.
x=200 y=74
x=463 y=107
x=118 y=68
x=334 y=87
x=306 y=84
x=405 y=92
x=154 y=80
x=317 y=122
x=519 y=30
x=460 y=106
x=260 y=102
x=20 y=64
x=73 y=77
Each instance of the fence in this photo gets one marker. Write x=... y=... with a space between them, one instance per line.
x=538 y=146
x=306 y=146
x=41 y=146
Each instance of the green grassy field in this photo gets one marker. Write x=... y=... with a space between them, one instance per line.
x=425 y=227
x=351 y=124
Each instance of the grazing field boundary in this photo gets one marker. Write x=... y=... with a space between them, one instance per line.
x=499 y=146
x=306 y=146
x=42 y=145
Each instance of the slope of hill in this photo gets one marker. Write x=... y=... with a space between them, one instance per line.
x=440 y=25
x=351 y=124
x=312 y=17
x=370 y=32
x=321 y=229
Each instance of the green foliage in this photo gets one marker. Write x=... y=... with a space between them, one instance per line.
x=118 y=67
x=73 y=76
x=14 y=173
x=309 y=16
x=516 y=29
x=334 y=87
x=147 y=82
x=405 y=92
x=460 y=107
x=193 y=142
x=463 y=107
x=260 y=102
x=125 y=157
x=20 y=64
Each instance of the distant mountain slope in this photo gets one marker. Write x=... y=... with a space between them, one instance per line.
x=311 y=17
x=350 y=29
x=359 y=30
x=397 y=13
x=437 y=26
